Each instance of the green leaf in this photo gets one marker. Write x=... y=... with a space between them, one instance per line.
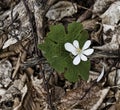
x=71 y=77
x=74 y=72
x=61 y=60
x=74 y=30
x=84 y=70
x=57 y=33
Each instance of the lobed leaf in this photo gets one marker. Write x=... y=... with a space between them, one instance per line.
x=61 y=60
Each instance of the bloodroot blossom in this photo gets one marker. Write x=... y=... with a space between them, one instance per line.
x=80 y=54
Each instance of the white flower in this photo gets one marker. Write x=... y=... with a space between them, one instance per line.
x=80 y=54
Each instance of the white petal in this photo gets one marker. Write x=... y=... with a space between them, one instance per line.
x=76 y=43
x=76 y=60
x=88 y=51
x=70 y=48
x=86 y=45
x=83 y=57
x=101 y=74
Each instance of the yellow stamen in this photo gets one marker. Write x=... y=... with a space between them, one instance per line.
x=78 y=50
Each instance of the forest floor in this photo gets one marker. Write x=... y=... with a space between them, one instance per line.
x=27 y=80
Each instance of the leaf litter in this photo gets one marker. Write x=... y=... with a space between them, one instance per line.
x=28 y=82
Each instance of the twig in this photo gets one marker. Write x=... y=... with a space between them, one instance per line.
x=85 y=15
x=17 y=66
x=88 y=90
x=31 y=62
x=79 y=6
x=33 y=26
x=47 y=90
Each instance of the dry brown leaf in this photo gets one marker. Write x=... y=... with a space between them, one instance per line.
x=111 y=78
x=15 y=48
x=113 y=45
x=60 y=10
x=101 y=5
x=12 y=97
x=103 y=94
x=93 y=76
x=112 y=15
x=11 y=40
x=35 y=99
x=3 y=38
x=72 y=99
x=5 y=73
x=112 y=107
x=90 y=24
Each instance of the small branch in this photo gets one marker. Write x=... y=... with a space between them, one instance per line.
x=47 y=90
x=88 y=90
x=17 y=66
x=33 y=26
x=79 y=6
x=85 y=15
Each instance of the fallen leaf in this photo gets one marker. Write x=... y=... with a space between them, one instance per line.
x=60 y=10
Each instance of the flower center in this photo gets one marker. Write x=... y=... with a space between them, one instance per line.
x=78 y=50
